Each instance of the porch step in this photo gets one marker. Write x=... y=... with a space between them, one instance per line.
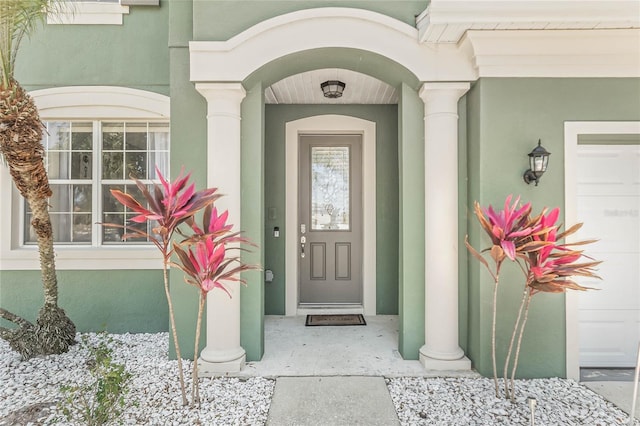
x=331 y=401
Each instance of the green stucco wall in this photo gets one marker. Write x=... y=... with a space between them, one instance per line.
x=118 y=302
x=221 y=20
x=385 y=117
x=252 y=295
x=133 y=55
x=506 y=117
x=189 y=149
x=411 y=223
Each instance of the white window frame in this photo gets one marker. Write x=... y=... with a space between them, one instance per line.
x=106 y=103
x=89 y=13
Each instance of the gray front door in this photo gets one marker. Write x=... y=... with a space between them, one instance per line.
x=330 y=219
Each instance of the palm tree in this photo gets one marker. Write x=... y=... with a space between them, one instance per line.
x=20 y=134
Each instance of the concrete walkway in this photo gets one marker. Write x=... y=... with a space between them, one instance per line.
x=331 y=401
x=317 y=368
x=617 y=392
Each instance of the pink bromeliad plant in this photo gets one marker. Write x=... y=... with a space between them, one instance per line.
x=506 y=228
x=205 y=261
x=168 y=206
x=533 y=243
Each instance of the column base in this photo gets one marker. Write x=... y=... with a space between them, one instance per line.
x=209 y=369
x=461 y=364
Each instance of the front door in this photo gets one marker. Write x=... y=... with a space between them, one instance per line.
x=330 y=219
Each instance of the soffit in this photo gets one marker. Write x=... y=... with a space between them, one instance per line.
x=304 y=88
x=446 y=21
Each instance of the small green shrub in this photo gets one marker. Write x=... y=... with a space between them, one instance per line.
x=103 y=399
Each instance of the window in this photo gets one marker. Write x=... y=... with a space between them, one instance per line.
x=94 y=12
x=84 y=161
x=76 y=161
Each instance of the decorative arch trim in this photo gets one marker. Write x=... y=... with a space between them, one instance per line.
x=332 y=27
x=110 y=102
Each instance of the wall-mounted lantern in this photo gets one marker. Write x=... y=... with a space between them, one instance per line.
x=538 y=162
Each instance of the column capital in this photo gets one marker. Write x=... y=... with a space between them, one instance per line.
x=442 y=97
x=227 y=91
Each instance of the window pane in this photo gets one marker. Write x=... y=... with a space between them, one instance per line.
x=161 y=160
x=61 y=224
x=29 y=233
x=82 y=228
x=330 y=188
x=81 y=136
x=135 y=192
x=109 y=234
x=58 y=138
x=109 y=203
x=140 y=226
x=136 y=137
x=58 y=164
x=113 y=136
x=159 y=136
x=136 y=164
x=112 y=165
x=82 y=198
x=56 y=142
x=81 y=165
x=60 y=200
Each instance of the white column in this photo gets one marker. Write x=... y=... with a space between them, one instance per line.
x=441 y=350
x=223 y=352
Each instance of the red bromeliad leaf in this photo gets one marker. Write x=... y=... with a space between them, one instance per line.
x=515 y=234
x=558 y=286
x=207 y=285
x=530 y=246
x=580 y=243
x=509 y=248
x=507 y=227
x=130 y=202
x=570 y=231
x=186 y=263
x=171 y=204
x=481 y=218
x=497 y=254
x=474 y=252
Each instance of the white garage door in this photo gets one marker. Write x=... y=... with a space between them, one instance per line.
x=609 y=206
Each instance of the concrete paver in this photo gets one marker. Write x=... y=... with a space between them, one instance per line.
x=332 y=401
x=616 y=392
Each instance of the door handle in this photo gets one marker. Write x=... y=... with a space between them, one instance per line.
x=302 y=249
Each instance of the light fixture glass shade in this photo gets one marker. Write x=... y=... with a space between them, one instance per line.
x=332 y=88
x=538 y=162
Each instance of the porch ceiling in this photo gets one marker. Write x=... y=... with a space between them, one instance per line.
x=304 y=88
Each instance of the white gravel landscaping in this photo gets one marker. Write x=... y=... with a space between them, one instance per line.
x=468 y=401
x=155 y=394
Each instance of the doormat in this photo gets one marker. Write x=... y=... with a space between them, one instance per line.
x=350 y=319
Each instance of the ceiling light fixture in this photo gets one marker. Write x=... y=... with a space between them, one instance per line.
x=332 y=88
